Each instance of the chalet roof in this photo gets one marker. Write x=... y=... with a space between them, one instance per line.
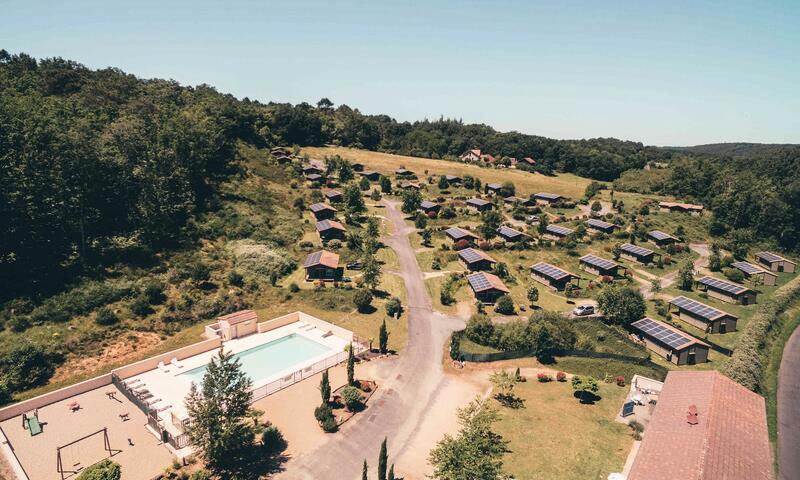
x=322 y=257
x=329 y=224
x=547 y=196
x=482 y=281
x=551 y=271
x=494 y=186
x=510 y=232
x=427 y=205
x=666 y=334
x=473 y=255
x=332 y=193
x=457 y=233
x=478 y=202
x=685 y=206
x=729 y=439
x=320 y=207
x=770 y=257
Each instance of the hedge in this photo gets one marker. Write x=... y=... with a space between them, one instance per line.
x=746 y=365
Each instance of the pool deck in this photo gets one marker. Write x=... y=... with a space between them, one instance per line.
x=172 y=391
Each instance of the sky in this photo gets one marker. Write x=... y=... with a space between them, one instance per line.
x=663 y=73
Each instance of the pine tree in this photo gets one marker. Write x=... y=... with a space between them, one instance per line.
x=364 y=471
x=382 y=460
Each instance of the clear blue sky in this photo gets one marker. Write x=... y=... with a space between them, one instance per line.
x=667 y=73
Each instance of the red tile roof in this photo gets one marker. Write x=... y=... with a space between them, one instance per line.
x=324 y=258
x=239 y=317
x=729 y=441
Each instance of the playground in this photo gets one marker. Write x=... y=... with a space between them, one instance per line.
x=59 y=440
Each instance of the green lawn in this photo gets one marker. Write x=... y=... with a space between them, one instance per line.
x=556 y=437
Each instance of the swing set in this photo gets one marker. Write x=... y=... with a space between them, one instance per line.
x=76 y=466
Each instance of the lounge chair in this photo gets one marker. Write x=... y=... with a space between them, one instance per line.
x=131 y=383
x=152 y=402
x=163 y=367
x=176 y=362
x=161 y=409
x=139 y=389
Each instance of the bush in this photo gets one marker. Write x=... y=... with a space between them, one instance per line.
x=199 y=271
x=19 y=323
x=620 y=380
x=543 y=377
x=362 y=299
x=561 y=377
x=272 y=441
x=141 y=307
x=504 y=305
x=105 y=470
x=394 y=307
x=329 y=425
x=352 y=398
x=293 y=287
x=235 y=278
x=154 y=292
x=201 y=475
x=262 y=260
x=734 y=275
x=322 y=412
x=105 y=316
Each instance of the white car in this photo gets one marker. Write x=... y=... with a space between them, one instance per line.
x=582 y=310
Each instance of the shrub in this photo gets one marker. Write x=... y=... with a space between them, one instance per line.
x=141 y=307
x=352 y=398
x=105 y=316
x=154 y=292
x=462 y=244
x=362 y=299
x=272 y=441
x=620 y=380
x=394 y=307
x=734 y=275
x=261 y=260
x=322 y=412
x=19 y=323
x=199 y=271
x=235 y=278
x=293 y=287
x=329 y=425
x=637 y=428
x=105 y=470
x=561 y=377
x=504 y=305
x=543 y=377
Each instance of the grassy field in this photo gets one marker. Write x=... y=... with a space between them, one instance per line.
x=555 y=437
x=526 y=183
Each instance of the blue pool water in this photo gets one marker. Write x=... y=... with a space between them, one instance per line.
x=270 y=358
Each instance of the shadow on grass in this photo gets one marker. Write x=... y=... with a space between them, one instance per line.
x=252 y=464
x=587 y=398
x=510 y=400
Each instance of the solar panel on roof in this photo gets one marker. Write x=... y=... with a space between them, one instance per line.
x=747 y=267
x=312 y=259
x=470 y=255
x=696 y=308
x=550 y=271
x=427 y=204
x=509 y=232
x=493 y=186
x=659 y=235
x=478 y=281
x=456 y=232
x=548 y=196
x=599 y=262
x=559 y=230
x=769 y=257
x=722 y=285
x=593 y=222
x=661 y=333
x=477 y=201
x=635 y=249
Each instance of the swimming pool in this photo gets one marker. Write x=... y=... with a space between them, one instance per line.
x=266 y=360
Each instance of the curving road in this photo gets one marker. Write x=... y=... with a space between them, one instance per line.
x=789 y=410
x=398 y=408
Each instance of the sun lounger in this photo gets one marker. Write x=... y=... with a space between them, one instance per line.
x=140 y=389
x=145 y=396
x=152 y=402
x=176 y=362
x=33 y=425
x=128 y=383
x=163 y=367
x=161 y=409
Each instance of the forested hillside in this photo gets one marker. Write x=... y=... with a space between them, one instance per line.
x=734 y=149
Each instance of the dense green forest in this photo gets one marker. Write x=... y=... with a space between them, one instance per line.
x=98 y=166
x=734 y=149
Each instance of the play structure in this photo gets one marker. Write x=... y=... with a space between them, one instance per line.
x=30 y=422
x=72 y=453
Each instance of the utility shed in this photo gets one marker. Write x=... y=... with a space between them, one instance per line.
x=727 y=291
x=702 y=316
x=705 y=426
x=754 y=271
x=775 y=262
x=675 y=345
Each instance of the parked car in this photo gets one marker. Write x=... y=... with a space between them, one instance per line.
x=354 y=266
x=531 y=219
x=582 y=310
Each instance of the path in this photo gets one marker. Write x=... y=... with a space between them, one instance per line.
x=415 y=382
x=700 y=265
x=789 y=410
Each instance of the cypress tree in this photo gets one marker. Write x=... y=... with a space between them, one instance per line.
x=364 y=471
x=383 y=338
x=325 y=388
x=391 y=473
x=382 y=461
x=351 y=365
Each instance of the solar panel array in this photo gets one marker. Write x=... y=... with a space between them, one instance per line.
x=318 y=207
x=509 y=232
x=559 y=230
x=456 y=233
x=494 y=186
x=550 y=271
x=593 y=222
x=696 y=308
x=326 y=224
x=659 y=235
x=722 y=285
x=660 y=332
x=548 y=196
x=312 y=259
x=479 y=282
x=769 y=257
x=427 y=204
x=477 y=201
x=470 y=255
x=599 y=262
x=747 y=267
x=635 y=249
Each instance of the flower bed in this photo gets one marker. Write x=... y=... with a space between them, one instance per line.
x=340 y=412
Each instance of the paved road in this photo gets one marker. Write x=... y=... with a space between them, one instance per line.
x=399 y=407
x=789 y=410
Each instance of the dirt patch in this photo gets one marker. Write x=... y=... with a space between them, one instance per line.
x=129 y=345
